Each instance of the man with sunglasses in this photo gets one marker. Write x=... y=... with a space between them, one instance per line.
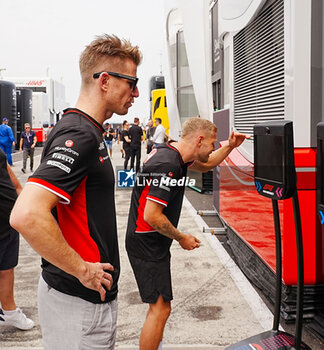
x=67 y=208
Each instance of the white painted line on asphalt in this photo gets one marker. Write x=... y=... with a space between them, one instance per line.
x=258 y=307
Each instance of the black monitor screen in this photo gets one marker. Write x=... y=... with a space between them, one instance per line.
x=269 y=158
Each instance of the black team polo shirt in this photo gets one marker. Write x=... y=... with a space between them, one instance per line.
x=162 y=179
x=76 y=167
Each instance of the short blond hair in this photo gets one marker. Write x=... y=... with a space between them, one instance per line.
x=103 y=47
x=197 y=124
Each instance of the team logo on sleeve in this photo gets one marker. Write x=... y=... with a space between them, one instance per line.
x=69 y=143
x=102 y=159
x=59 y=165
x=101 y=146
x=63 y=157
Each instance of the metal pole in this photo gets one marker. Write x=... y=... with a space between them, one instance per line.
x=300 y=271
x=276 y=318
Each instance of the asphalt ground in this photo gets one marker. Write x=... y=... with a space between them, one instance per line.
x=214 y=304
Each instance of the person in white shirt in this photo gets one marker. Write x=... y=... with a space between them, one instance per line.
x=159 y=134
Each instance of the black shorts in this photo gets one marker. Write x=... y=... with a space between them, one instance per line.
x=9 y=249
x=153 y=278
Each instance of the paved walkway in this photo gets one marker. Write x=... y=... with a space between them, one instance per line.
x=213 y=307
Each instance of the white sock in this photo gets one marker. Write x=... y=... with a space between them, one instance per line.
x=160 y=346
x=9 y=312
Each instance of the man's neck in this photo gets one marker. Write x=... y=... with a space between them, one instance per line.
x=184 y=150
x=93 y=109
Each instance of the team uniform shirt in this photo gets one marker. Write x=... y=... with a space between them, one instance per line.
x=28 y=138
x=8 y=196
x=76 y=167
x=162 y=179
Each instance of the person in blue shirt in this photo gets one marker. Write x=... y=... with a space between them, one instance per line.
x=7 y=140
x=28 y=142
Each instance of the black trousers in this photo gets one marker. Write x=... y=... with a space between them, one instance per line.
x=127 y=156
x=149 y=147
x=28 y=152
x=135 y=153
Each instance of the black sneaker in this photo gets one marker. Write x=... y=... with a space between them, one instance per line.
x=23 y=170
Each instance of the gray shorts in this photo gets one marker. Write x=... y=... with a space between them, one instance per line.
x=71 y=323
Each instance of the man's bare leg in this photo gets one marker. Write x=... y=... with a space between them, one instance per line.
x=152 y=331
x=7 y=290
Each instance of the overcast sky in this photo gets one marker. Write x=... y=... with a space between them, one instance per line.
x=40 y=36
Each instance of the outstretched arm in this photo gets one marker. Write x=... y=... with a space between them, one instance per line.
x=216 y=157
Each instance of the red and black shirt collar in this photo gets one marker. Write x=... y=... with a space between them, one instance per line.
x=168 y=144
x=78 y=111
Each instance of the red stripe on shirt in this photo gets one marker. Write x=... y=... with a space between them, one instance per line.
x=73 y=222
x=175 y=149
x=155 y=199
x=51 y=187
x=141 y=224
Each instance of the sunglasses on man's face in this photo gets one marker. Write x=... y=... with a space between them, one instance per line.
x=131 y=80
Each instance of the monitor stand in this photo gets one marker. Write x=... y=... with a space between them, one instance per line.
x=276 y=339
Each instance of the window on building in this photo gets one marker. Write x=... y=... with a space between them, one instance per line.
x=185 y=95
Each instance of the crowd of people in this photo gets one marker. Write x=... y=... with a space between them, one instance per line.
x=73 y=226
x=131 y=138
